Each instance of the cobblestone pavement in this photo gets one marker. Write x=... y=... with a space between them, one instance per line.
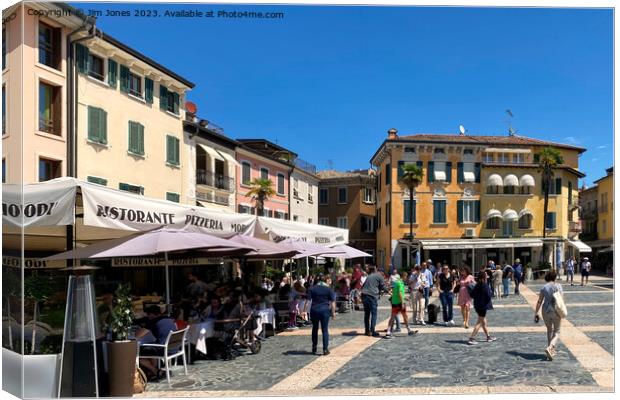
x=436 y=360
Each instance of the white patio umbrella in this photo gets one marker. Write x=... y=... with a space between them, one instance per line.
x=161 y=240
x=348 y=252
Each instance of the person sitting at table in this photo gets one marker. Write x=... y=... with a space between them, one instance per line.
x=196 y=288
x=211 y=311
x=156 y=330
x=104 y=312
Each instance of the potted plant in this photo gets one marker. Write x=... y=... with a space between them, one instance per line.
x=121 y=351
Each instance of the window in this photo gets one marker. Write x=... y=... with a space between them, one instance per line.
x=4 y=49
x=175 y=197
x=509 y=189
x=550 y=222
x=323 y=196
x=126 y=187
x=439 y=211
x=295 y=217
x=409 y=149
x=407 y=212
x=245 y=209
x=493 y=223
x=469 y=172
x=468 y=211
x=50 y=115
x=281 y=184
x=518 y=158
x=97 y=180
x=135 y=84
x=3 y=109
x=342 y=195
x=525 y=189
x=97 y=125
x=368 y=224
x=439 y=172
x=171 y=101
x=343 y=222
x=493 y=189
x=310 y=193
x=324 y=221
x=439 y=150
x=168 y=100
x=388 y=174
x=555 y=187
x=525 y=221
x=136 y=138
x=369 y=195
x=49 y=46
x=503 y=158
x=279 y=215
x=4 y=170
x=468 y=151
x=508 y=228
x=172 y=150
x=487 y=158
x=388 y=213
x=246 y=170
x=95 y=66
x=49 y=169
x=264 y=173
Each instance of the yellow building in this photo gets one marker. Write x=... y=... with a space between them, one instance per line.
x=597 y=215
x=605 y=225
x=480 y=199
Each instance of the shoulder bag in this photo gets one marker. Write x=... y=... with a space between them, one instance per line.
x=558 y=304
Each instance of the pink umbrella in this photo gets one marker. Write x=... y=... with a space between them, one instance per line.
x=307 y=249
x=160 y=240
x=347 y=252
x=265 y=250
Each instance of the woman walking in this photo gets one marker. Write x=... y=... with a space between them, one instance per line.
x=481 y=294
x=552 y=320
x=446 y=283
x=323 y=306
x=417 y=282
x=464 y=299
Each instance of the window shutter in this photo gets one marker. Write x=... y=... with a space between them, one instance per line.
x=536 y=158
x=477 y=172
x=176 y=103
x=93 y=124
x=460 y=177
x=459 y=211
x=148 y=90
x=558 y=185
x=133 y=140
x=112 y=72
x=431 y=171
x=435 y=211
x=400 y=170
x=123 y=186
x=443 y=211
x=406 y=212
x=163 y=98
x=124 y=79
x=364 y=224
x=99 y=181
x=448 y=171
x=103 y=127
x=553 y=221
x=477 y=211
x=285 y=215
x=388 y=173
x=169 y=149
x=56 y=38
x=140 y=139
x=414 y=211
x=81 y=57
x=176 y=151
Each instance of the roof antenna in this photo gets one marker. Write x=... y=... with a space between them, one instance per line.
x=511 y=130
x=462 y=130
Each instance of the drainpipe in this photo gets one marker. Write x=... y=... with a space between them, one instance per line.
x=71 y=121
x=290 y=191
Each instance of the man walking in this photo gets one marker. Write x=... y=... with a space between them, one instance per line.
x=518 y=274
x=428 y=289
x=398 y=306
x=570 y=270
x=371 y=290
x=585 y=269
x=507 y=275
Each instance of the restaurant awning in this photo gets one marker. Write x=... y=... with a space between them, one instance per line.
x=440 y=244
x=606 y=250
x=212 y=152
x=494 y=180
x=526 y=180
x=579 y=245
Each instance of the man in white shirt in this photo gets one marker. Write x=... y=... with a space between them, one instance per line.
x=585 y=269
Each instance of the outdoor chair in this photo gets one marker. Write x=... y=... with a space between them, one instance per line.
x=173 y=348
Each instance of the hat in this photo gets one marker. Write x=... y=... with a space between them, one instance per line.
x=517 y=260
x=429 y=260
x=585 y=258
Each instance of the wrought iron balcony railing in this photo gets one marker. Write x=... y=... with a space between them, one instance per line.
x=217 y=181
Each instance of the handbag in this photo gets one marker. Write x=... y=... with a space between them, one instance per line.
x=139 y=381
x=457 y=288
x=558 y=305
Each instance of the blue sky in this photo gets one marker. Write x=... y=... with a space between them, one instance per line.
x=327 y=81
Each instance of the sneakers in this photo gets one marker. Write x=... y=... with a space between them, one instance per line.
x=367 y=333
x=411 y=333
x=292 y=328
x=376 y=334
x=326 y=352
x=550 y=352
x=472 y=341
x=389 y=336
x=422 y=322
x=450 y=323
x=491 y=339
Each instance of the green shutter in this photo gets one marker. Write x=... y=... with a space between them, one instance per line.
x=553 y=221
x=448 y=171
x=81 y=58
x=141 y=139
x=477 y=211
x=123 y=186
x=460 y=177
x=459 y=211
x=477 y=172
x=175 y=197
x=420 y=165
x=443 y=211
x=148 y=90
x=99 y=181
x=103 y=127
x=400 y=169
x=112 y=72
x=558 y=185
x=124 y=79
x=93 y=124
x=435 y=212
x=176 y=102
x=163 y=98
x=414 y=211
x=536 y=158
x=406 y=212
x=130 y=138
x=431 y=172
x=388 y=173
x=136 y=138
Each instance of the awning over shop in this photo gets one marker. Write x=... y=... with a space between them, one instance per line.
x=527 y=180
x=229 y=158
x=479 y=243
x=494 y=180
x=525 y=211
x=216 y=155
x=581 y=246
x=510 y=215
x=606 y=250
x=493 y=213
x=511 y=180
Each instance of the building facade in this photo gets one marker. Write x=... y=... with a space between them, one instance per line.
x=304 y=189
x=480 y=199
x=212 y=167
x=259 y=158
x=347 y=200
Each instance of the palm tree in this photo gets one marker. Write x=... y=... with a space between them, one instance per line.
x=549 y=158
x=411 y=178
x=261 y=190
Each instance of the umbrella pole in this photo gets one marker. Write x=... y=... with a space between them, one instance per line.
x=307 y=266
x=167 y=284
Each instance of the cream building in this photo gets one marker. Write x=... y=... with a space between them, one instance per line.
x=304 y=191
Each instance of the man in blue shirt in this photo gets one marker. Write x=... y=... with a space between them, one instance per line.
x=518 y=274
x=427 y=290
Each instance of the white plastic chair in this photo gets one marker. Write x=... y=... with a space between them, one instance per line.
x=173 y=348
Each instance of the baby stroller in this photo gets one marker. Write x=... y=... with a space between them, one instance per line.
x=235 y=335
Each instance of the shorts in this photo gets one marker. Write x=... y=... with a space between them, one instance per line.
x=481 y=313
x=585 y=272
x=396 y=308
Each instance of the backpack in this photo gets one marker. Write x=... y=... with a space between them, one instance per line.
x=558 y=304
x=470 y=289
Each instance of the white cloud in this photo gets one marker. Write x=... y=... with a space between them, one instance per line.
x=572 y=140
x=603 y=146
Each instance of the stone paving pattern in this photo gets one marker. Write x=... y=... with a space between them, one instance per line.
x=604 y=339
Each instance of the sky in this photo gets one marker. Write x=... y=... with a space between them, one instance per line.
x=327 y=82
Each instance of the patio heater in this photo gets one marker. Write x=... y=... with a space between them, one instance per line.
x=78 y=369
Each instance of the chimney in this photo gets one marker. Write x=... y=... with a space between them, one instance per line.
x=393 y=134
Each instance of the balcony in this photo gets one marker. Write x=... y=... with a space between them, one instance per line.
x=574 y=227
x=212 y=198
x=213 y=180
